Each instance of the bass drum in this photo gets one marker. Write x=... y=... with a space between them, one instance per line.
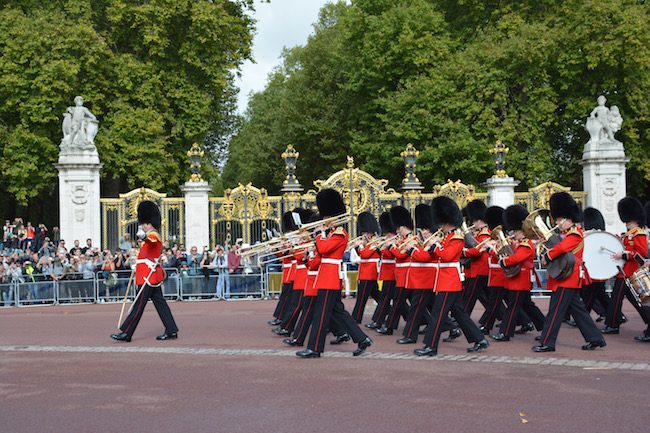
x=597 y=254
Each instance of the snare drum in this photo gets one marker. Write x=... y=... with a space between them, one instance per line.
x=640 y=282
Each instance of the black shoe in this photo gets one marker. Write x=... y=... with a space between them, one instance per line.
x=167 y=336
x=307 y=353
x=570 y=322
x=340 y=339
x=484 y=330
x=544 y=348
x=500 y=337
x=372 y=325
x=538 y=338
x=608 y=330
x=385 y=330
x=121 y=337
x=274 y=322
x=366 y=343
x=643 y=338
x=525 y=328
x=478 y=347
x=406 y=340
x=593 y=344
x=623 y=318
x=425 y=351
x=600 y=319
x=280 y=331
x=453 y=335
x=422 y=331
x=291 y=342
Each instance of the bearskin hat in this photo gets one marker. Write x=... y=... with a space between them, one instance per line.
x=564 y=206
x=445 y=211
x=631 y=209
x=305 y=214
x=401 y=217
x=367 y=223
x=149 y=213
x=288 y=223
x=475 y=211
x=423 y=218
x=514 y=216
x=593 y=219
x=315 y=217
x=330 y=203
x=386 y=223
x=494 y=216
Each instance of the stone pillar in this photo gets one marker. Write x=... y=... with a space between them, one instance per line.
x=79 y=192
x=197 y=214
x=603 y=165
x=501 y=191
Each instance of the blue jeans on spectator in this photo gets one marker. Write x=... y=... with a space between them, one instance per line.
x=221 y=280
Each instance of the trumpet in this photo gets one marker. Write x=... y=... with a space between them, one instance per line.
x=288 y=253
x=379 y=241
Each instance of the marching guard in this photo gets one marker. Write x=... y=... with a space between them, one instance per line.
x=477 y=273
x=367 y=276
x=386 y=274
x=288 y=273
x=496 y=278
x=149 y=275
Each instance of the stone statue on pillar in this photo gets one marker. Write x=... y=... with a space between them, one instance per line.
x=79 y=127
x=603 y=163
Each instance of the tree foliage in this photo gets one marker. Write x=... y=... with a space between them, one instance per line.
x=452 y=77
x=157 y=74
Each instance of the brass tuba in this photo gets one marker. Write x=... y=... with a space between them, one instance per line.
x=504 y=249
x=537 y=225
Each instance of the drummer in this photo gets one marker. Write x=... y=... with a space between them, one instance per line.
x=635 y=242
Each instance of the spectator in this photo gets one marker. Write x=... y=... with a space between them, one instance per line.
x=76 y=249
x=126 y=244
x=46 y=250
x=193 y=261
x=62 y=248
x=30 y=235
x=220 y=262
x=56 y=236
x=88 y=247
x=234 y=266
x=87 y=266
x=206 y=269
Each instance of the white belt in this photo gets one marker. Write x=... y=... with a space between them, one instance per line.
x=149 y=263
x=453 y=265
x=493 y=265
x=403 y=265
x=369 y=261
x=287 y=265
x=301 y=267
x=331 y=261
x=312 y=273
x=293 y=262
x=387 y=261
x=423 y=265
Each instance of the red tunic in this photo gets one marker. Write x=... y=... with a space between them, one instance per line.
x=387 y=266
x=572 y=242
x=423 y=270
x=288 y=269
x=300 y=279
x=635 y=241
x=368 y=265
x=447 y=256
x=331 y=250
x=149 y=251
x=496 y=278
x=479 y=258
x=402 y=260
x=312 y=272
x=524 y=256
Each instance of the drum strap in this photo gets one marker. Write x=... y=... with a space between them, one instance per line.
x=580 y=246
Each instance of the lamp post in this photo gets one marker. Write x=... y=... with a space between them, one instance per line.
x=290 y=184
x=499 y=152
x=410 y=157
x=195 y=154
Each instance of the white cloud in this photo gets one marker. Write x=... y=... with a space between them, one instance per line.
x=281 y=23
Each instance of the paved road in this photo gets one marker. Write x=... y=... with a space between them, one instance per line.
x=59 y=372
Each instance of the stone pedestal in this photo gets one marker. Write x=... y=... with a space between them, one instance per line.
x=501 y=191
x=79 y=207
x=603 y=171
x=197 y=215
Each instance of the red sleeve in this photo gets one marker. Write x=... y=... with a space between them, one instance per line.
x=475 y=252
x=314 y=263
x=399 y=255
x=420 y=255
x=640 y=246
x=331 y=244
x=367 y=253
x=567 y=244
x=523 y=254
x=450 y=252
x=386 y=254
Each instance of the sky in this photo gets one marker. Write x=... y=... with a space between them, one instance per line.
x=281 y=23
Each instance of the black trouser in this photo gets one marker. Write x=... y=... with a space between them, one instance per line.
x=284 y=299
x=293 y=311
x=520 y=306
x=531 y=311
x=475 y=290
x=400 y=308
x=495 y=307
x=443 y=303
x=595 y=292
x=418 y=312
x=621 y=289
x=563 y=300
x=329 y=306
x=156 y=296
x=306 y=316
x=365 y=289
x=388 y=292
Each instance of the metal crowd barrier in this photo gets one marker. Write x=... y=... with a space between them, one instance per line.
x=222 y=286
x=7 y=294
x=75 y=289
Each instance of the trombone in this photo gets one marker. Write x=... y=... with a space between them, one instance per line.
x=287 y=252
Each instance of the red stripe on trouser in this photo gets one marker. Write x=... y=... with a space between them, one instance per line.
x=471 y=295
x=513 y=310
x=306 y=314
x=284 y=302
x=133 y=321
x=548 y=331
x=385 y=298
x=322 y=319
x=442 y=309
x=495 y=306
x=296 y=310
x=398 y=292
x=415 y=315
